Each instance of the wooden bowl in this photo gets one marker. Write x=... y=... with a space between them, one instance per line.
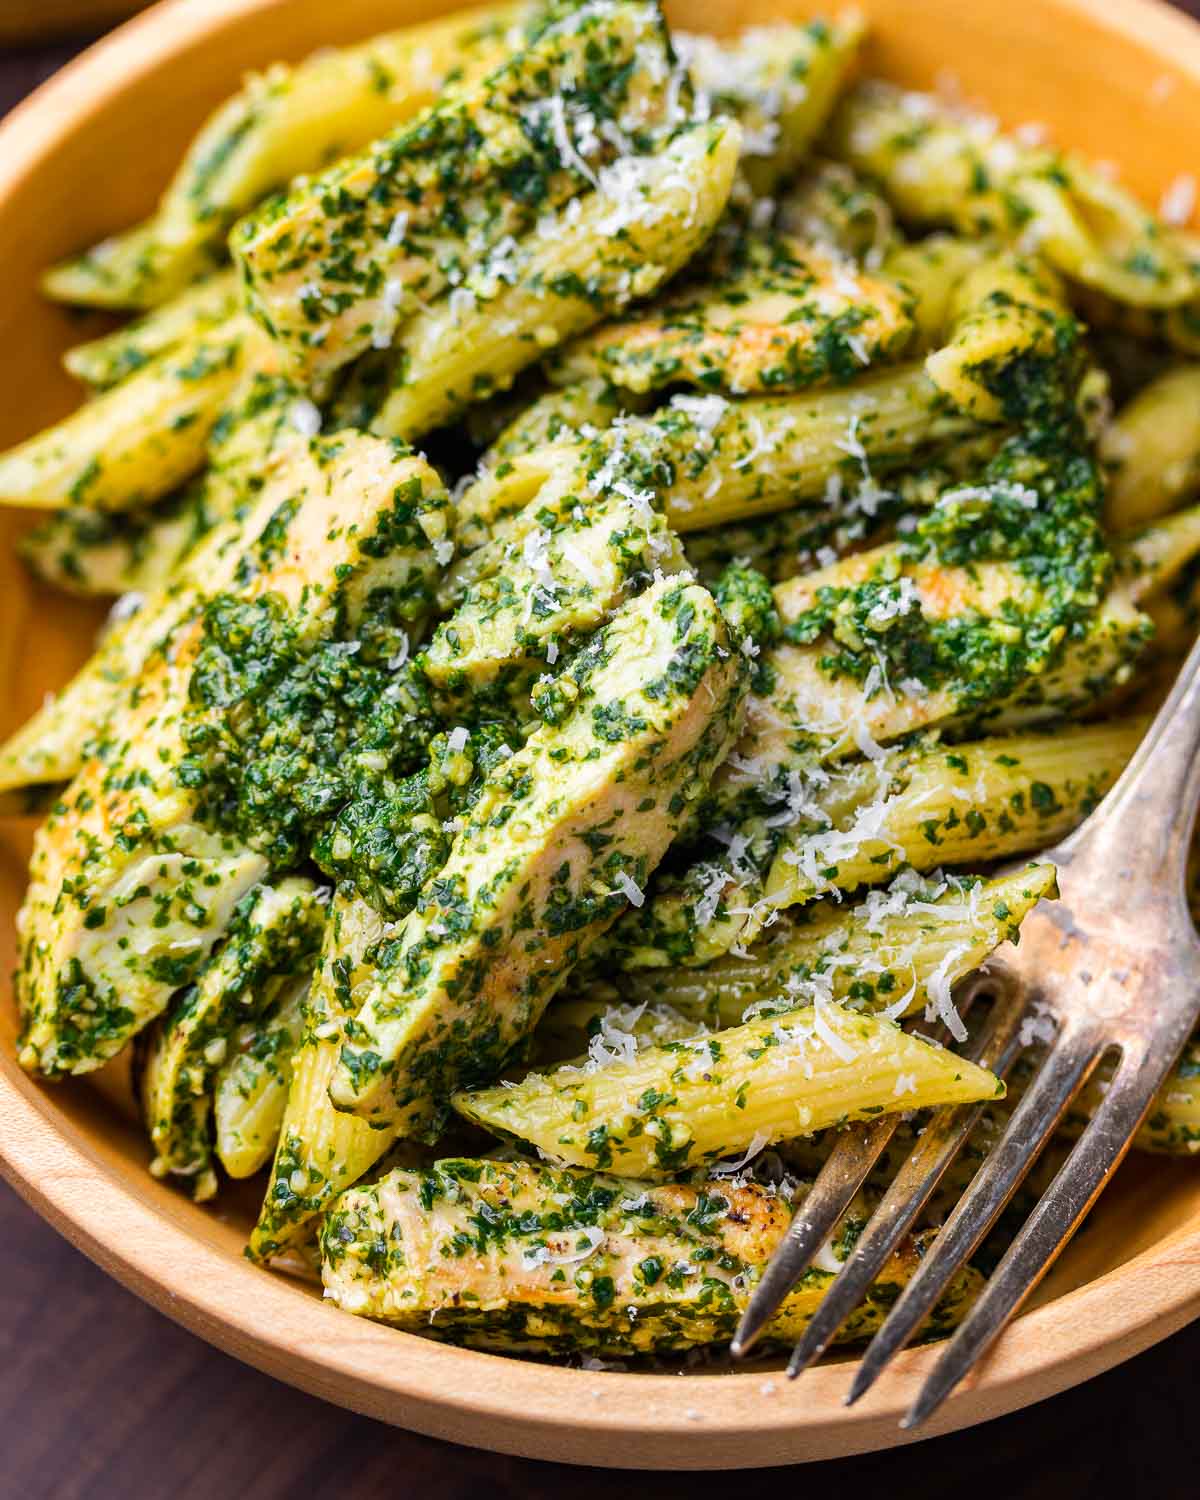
x=1119 y=79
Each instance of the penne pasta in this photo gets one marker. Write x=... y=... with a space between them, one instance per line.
x=1151 y=450
x=685 y=1104
x=1005 y=313
x=341 y=264
x=966 y=803
x=831 y=205
x=1150 y=560
x=251 y=1087
x=138 y=441
x=247 y=483
x=273 y=935
x=320 y=1149
x=780 y=82
x=817 y=532
x=942 y=166
x=898 y=944
x=648 y=216
x=284 y=121
x=559 y=416
x=737 y=460
x=1172 y=1127
x=106 y=361
x=99 y=553
x=838 y=828
x=1156 y=331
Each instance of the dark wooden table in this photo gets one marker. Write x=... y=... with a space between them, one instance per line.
x=102 y=1397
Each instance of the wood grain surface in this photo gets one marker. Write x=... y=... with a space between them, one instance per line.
x=102 y=1397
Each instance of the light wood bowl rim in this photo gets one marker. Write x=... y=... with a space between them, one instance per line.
x=618 y=1419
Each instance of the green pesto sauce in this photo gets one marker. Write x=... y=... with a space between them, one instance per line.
x=747 y=601
x=282 y=732
x=393 y=836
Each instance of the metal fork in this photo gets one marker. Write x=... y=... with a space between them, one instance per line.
x=1113 y=966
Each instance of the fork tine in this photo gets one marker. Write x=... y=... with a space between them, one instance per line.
x=937 y=1146
x=1076 y=1186
x=1070 y=1060
x=857 y=1150
x=917 y=1178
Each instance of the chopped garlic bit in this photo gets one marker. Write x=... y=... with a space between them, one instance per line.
x=586 y=1243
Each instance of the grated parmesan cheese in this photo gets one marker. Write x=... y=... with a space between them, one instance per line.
x=305 y=416
x=397 y=229
x=1178 y=202
x=630 y=889
x=825 y=1033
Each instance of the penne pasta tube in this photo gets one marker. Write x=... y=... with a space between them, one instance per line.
x=251 y=1088
x=737 y=460
x=1157 y=331
x=1005 y=312
x=786 y=543
x=899 y=942
x=830 y=204
x=106 y=361
x=942 y=166
x=647 y=218
x=138 y=441
x=684 y=1104
x=284 y=121
x=1151 y=450
x=842 y=826
x=932 y=272
x=320 y=1150
x=1150 y=560
x=273 y=935
x=244 y=485
x=559 y=416
x=967 y=803
x=1172 y=1125
x=780 y=82
x=97 y=553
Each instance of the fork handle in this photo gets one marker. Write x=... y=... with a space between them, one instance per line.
x=1145 y=822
